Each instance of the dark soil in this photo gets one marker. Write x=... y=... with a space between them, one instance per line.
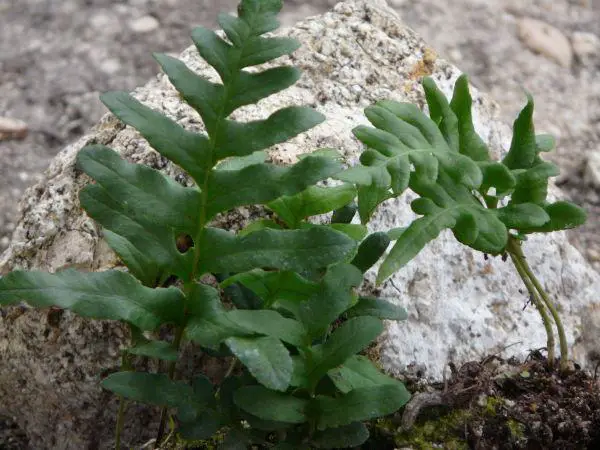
x=503 y=404
x=11 y=437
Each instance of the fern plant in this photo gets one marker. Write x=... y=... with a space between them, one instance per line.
x=269 y=298
x=490 y=206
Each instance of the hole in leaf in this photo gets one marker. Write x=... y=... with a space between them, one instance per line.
x=184 y=242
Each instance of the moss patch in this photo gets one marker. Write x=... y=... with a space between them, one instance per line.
x=507 y=404
x=438 y=429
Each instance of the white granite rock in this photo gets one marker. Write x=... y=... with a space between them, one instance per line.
x=592 y=170
x=12 y=128
x=545 y=39
x=585 y=44
x=460 y=306
x=144 y=24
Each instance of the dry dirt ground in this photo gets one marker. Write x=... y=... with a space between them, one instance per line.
x=56 y=56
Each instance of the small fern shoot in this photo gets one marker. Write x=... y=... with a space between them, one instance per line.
x=490 y=206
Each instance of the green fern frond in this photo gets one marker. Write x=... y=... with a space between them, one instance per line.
x=444 y=161
x=147 y=246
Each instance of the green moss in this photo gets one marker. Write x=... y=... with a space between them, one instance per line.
x=492 y=405
x=386 y=425
x=445 y=430
x=178 y=443
x=517 y=429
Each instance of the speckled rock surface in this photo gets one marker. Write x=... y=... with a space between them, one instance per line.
x=460 y=306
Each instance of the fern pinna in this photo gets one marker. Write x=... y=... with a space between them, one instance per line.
x=289 y=280
x=491 y=206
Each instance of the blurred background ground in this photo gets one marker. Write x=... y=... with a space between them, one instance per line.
x=56 y=56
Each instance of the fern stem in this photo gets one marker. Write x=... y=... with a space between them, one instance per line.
x=539 y=304
x=562 y=338
x=120 y=421
x=230 y=370
x=125 y=365
x=535 y=298
x=231 y=367
x=171 y=374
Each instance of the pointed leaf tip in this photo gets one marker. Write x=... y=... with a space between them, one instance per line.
x=471 y=144
x=358 y=405
x=523 y=148
x=149 y=388
x=111 y=295
x=271 y=405
x=266 y=358
x=441 y=113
